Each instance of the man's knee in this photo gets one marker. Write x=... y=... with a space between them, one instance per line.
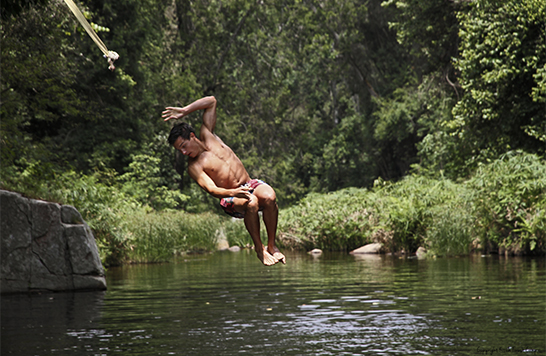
x=268 y=199
x=252 y=205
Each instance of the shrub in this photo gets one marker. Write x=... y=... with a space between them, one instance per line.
x=503 y=204
x=339 y=220
x=159 y=236
x=427 y=212
x=510 y=202
x=102 y=207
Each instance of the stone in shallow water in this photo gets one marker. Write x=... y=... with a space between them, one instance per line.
x=369 y=248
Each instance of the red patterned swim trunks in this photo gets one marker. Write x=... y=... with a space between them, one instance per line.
x=228 y=204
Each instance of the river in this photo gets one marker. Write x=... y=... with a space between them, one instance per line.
x=336 y=304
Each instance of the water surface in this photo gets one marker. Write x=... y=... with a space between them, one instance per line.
x=228 y=304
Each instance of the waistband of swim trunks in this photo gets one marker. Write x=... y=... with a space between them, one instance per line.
x=254 y=183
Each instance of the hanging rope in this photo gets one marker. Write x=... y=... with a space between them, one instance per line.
x=111 y=56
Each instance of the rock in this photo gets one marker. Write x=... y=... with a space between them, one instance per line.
x=14 y=221
x=222 y=242
x=46 y=246
x=369 y=248
x=316 y=251
x=421 y=252
x=83 y=253
x=234 y=249
x=476 y=245
x=70 y=215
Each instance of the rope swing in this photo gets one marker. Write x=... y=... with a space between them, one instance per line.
x=111 y=56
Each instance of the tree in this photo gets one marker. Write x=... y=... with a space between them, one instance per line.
x=502 y=61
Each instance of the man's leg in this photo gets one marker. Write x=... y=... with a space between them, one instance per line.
x=252 y=223
x=267 y=201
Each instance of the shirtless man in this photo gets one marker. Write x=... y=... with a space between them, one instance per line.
x=214 y=166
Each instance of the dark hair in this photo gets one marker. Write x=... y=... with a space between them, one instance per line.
x=180 y=130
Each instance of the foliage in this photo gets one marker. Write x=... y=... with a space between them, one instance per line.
x=158 y=237
x=407 y=124
x=143 y=182
x=312 y=96
x=429 y=28
x=503 y=51
x=502 y=206
x=272 y=54
x=340 y=220
x=510 y=202
x=103 y=208
x=125 y=228
x=415 y=209
x=412 y=121
x=36 y=86
x=237 y=234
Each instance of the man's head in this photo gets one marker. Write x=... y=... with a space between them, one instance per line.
x=183 y=138
x=180 y=130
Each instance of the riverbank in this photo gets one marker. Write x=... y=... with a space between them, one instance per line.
x=500 y=209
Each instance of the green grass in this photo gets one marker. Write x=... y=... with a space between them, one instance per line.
x=159 y=236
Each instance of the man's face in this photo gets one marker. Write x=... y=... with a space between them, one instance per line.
x=189 y=147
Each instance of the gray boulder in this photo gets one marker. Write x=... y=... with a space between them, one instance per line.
x=46 y=247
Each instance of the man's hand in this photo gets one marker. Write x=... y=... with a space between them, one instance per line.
x=174 y=113
x=242 y=192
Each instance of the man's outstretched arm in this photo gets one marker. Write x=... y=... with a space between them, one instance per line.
x=207 y=103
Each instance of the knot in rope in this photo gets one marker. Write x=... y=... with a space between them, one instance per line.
x=111 y=56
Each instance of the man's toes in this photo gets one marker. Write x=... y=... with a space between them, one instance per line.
x=277 y=254
x=269 y=260
x=280 y=257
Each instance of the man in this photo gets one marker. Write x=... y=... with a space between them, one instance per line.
x=214 y=166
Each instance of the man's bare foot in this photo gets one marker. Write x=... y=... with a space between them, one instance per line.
x=266 y=258
x=277 y=254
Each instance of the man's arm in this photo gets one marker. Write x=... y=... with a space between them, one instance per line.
x=210 y=187
x=207 y=103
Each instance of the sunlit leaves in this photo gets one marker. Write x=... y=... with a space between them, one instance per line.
x=503 y=51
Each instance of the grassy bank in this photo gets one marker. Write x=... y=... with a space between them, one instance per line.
x=500 y=209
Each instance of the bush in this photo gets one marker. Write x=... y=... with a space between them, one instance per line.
x=339 y=220
x=503 y=204
x=102 y=207
x=237 y=234
x=510 y=202
x=438 y=215
x=159 y=236
x=125 y=229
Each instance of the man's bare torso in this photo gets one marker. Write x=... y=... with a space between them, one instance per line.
x=221 y=164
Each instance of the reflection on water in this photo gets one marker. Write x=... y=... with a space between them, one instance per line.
x=227 y=304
